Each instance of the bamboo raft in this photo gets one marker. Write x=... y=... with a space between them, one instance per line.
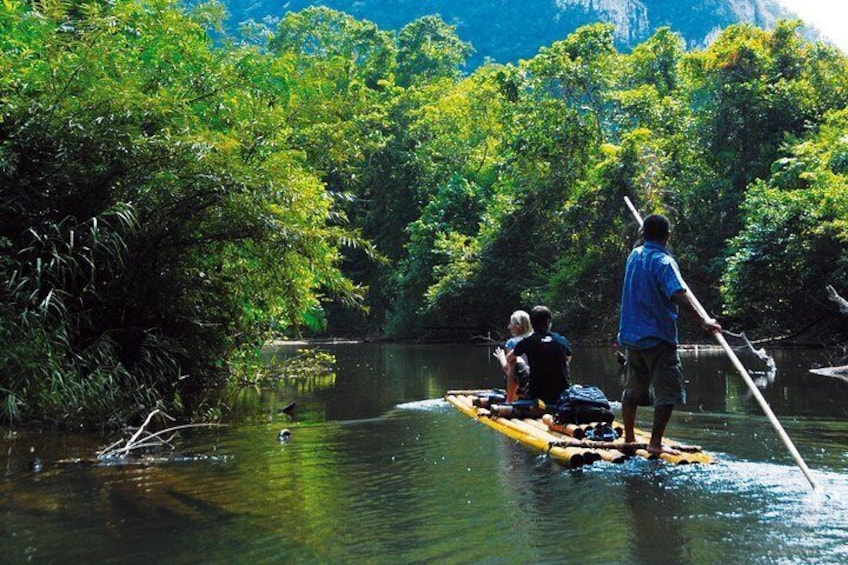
x=568 y=444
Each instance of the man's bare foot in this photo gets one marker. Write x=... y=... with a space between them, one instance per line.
x=655 y=450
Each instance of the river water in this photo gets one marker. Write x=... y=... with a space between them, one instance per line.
x=379 y=469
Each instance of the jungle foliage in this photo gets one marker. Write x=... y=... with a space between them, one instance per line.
x=168 y=200
x=157 y=212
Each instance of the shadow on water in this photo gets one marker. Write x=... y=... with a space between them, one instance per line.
x=380 y=468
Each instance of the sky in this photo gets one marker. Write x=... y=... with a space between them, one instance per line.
x=829 y=16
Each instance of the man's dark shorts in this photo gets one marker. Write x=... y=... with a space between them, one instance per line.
x=654 y=377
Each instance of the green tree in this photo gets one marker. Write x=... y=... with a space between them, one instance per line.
x=428 y=48
x=155 y=219
x=321 y=36
x=794 y=238
x=456 y=129
x=751 y=90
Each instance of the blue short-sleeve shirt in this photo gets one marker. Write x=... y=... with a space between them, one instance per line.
x=510 y=343
x=648 y=314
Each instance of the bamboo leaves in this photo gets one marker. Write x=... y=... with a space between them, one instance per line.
x=137 y=155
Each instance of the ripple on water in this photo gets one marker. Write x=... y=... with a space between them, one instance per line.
x=429 y=405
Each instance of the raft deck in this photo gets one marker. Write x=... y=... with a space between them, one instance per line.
x=568 y=444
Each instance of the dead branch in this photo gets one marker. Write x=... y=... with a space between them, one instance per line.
x=833 y=296
x=486 y=339
x=760 y=354
x=835 y=372
x=142 y=438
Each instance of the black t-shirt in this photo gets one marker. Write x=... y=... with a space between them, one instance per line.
x=546 y=353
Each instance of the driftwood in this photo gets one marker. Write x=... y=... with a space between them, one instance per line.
x=763 y=378
x=835 y=372
x=121 y=450
x=833 y=296
x=760 y=353
x=485 y=339
x=842 y=371
x=142 y=438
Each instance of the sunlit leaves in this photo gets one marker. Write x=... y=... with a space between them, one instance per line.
x=429 y=49
x=168 y=200
x=156 y=211
x=794 y=239
x=321 y=36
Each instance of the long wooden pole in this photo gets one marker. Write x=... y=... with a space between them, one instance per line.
x=747 y=378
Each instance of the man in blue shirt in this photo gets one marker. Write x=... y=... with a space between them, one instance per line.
x=653 y=290
x=548 y=355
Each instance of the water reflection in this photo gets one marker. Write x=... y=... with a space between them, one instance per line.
x=655 y=511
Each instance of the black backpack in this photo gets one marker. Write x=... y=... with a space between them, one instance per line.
x=583 y=405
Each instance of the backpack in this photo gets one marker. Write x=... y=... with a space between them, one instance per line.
x=583 y=405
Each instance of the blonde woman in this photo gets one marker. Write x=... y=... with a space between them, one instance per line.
x=517 y=375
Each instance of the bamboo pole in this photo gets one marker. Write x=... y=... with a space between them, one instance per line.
x=747 y=378
x=574 y=456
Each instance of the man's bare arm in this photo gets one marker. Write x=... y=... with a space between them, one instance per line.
x=686 y=302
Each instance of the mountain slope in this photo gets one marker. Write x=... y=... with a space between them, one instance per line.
x=507 y=30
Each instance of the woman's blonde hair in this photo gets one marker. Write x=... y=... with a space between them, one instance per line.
x=521 y=320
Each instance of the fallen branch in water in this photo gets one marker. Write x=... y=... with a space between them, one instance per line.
x=142 y=438
x=833 y=296
x=840 y=372
x=771 y=366
x=485 y=339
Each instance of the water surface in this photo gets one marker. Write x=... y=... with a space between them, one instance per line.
x=380 y=470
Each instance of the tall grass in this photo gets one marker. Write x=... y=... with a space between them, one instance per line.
x=58 y=362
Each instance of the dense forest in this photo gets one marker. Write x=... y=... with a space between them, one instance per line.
x=172 y=197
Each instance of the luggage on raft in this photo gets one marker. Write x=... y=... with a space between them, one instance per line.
x=578 y=404
x=485 y=399
x=583 y=405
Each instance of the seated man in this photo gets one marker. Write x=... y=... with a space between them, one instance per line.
x=548 y=354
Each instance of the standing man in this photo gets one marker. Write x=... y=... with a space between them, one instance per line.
x=653 y=290
x=548 y=354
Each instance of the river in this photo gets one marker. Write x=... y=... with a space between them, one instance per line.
x=379 y=469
